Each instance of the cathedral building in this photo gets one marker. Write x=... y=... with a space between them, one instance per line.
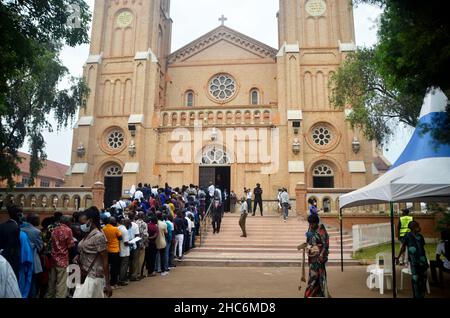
x=224 y=108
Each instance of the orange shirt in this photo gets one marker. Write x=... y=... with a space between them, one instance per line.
x=112 y=234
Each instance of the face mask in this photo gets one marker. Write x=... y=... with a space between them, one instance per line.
x=85 y=228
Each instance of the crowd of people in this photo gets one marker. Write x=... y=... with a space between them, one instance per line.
x=133 y=239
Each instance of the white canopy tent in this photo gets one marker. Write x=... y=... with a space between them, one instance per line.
x=421 y=174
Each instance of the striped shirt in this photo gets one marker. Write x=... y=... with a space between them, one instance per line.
x=9 y=288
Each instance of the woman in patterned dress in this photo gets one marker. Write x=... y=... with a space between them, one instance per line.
x=318 y=242
x=417 y=257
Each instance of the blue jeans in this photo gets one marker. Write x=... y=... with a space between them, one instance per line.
x=167 y=255
x=285 y=210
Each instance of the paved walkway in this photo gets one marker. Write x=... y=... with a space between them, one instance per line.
x=256 y=282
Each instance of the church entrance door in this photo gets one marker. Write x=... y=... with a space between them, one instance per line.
x=113 y=185
x=220 y=176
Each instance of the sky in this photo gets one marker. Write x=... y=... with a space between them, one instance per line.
x=193 y=18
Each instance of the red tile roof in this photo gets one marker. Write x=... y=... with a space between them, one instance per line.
x=51 y=169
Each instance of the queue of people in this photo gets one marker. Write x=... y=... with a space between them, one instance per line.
x=133 y=239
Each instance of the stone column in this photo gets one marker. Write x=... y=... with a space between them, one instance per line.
x=300 y=197
x=98 y=195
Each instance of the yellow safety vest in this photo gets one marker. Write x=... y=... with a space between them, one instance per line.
x=404 y=222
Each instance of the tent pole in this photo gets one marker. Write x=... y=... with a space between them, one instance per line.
x=394 y=272
x=342 y=244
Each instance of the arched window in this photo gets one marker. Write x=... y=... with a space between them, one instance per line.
x=189 y=98
x=323 y=176
x=254 y=96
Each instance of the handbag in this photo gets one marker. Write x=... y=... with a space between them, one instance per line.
x=84 y=274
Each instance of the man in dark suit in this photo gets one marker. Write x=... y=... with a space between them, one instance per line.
x=258 y=199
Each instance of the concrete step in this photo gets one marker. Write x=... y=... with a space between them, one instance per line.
x=333 y=260
x=260 y=250
x=260 y=245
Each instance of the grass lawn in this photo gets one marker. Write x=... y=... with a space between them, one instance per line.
x=370 y=252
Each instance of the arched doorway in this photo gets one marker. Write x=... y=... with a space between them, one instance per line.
x=215 y=167
x=113 y=184
x=323 y=176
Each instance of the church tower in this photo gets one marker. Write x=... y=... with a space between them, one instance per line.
x=314 y=38
x=125 y=73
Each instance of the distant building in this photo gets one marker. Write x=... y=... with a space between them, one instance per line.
x=51 y=175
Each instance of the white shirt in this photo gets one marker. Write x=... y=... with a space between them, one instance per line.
x=120 y=205
x=284 y=197
x=244 y=208
x=220 y=194
x=138 y=195
x=440 y=249
x=155 y=191
x=9 y=287
x=249 y=194
x=211 y=190
x=124 y=249
x=190 y=224
x=134 y=230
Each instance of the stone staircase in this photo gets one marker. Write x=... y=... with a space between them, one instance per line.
x=269 y=242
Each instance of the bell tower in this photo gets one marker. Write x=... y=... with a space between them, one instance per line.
x=314 y=38
x=125 y=73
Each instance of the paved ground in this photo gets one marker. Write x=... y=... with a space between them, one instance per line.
x=257 y=282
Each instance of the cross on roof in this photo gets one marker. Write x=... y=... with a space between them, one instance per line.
x=223 y=19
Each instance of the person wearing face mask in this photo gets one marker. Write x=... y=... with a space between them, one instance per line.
x=93 y=259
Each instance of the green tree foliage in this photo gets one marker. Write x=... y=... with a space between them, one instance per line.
x=32 y=34
x=377 y=106
x=413 y=51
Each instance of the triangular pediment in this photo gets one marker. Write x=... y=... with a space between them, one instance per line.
x=222 y=42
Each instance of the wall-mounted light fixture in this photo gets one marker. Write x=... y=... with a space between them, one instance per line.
x=296 y=146
x=132 y=128
x=356 y=145
x=81 y=151
x=296 y=124
x=132 y=149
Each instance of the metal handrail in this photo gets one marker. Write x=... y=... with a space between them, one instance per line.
x=204 y=228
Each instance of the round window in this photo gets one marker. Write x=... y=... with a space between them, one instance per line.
x=322 y=136
x=115 y=139
x=222 y=87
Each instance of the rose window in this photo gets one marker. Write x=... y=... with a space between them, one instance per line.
x=222 y=87
x=321 y=136
x=116 y=139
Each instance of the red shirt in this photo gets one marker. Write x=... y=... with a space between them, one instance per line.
x=152 y=230
x=62 y=241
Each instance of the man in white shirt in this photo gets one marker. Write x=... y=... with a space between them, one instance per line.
x=248 y=194
x=124 y=251
x=135 y=269
x=138 y=195
x=285 y=203
x=444 y=265
x=244 y=214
